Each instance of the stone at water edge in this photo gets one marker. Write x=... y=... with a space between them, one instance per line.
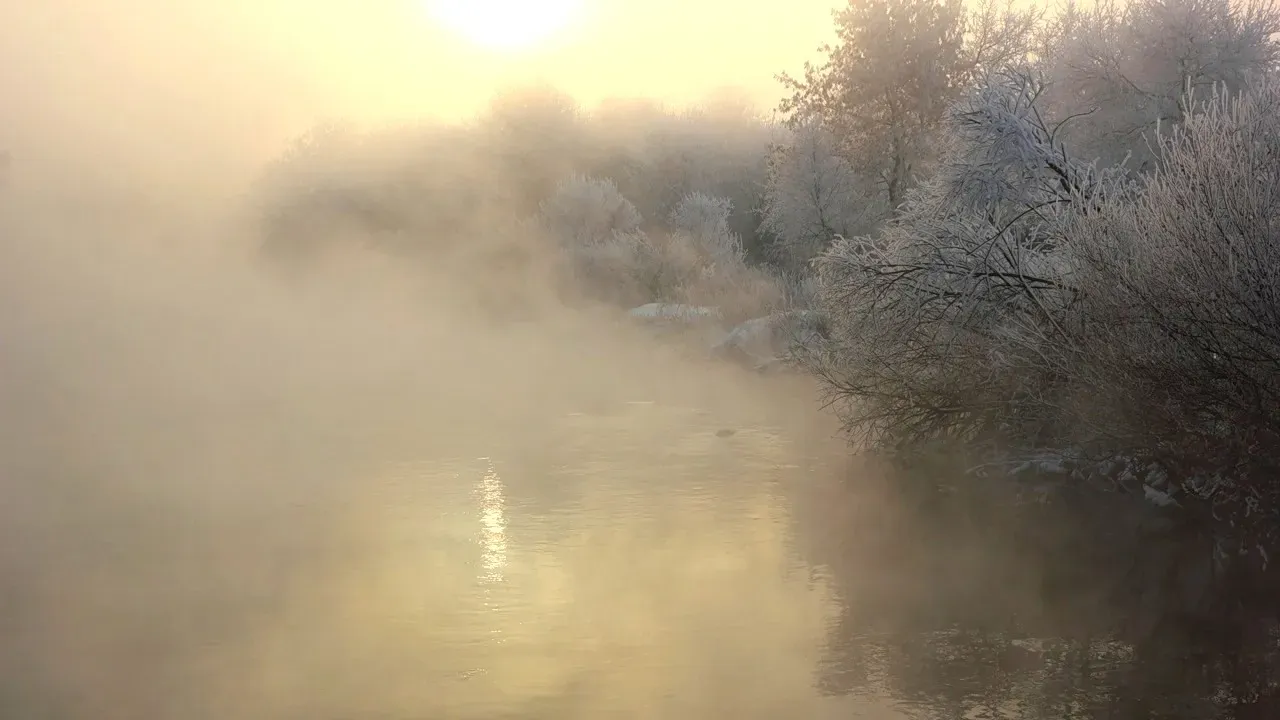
x=674 y=312
x=764 y=343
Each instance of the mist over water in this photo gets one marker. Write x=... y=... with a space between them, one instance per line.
x=354 y=495
x=367 y=426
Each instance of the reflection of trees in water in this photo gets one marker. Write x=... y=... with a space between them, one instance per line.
x=995 y=675
x=1099 y=623
x=985 y=674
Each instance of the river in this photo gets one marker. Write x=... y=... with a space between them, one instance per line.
x=643 y=567
x=227 y=500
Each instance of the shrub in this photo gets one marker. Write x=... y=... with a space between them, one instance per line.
x=1179 y=316
x=942 y=324
x=1116 y=335
x=701 y=262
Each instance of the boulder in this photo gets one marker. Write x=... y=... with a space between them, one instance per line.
x=770 y=342
x=674 y=312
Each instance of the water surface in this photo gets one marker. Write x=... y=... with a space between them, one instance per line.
x=637 y=565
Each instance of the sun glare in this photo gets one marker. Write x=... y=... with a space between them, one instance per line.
x=504 y=24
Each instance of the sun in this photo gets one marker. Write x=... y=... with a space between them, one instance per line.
x=505 y=24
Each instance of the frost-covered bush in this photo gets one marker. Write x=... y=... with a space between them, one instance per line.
x=739 y=291
x=585 y=210
x=711 y=261
x=800 y=290
x=426 y=188
x=1180 y=312
x=658 y=157
x=814 y=195
x=1027 y=304
x=598 y=232
x=706 y=218
x=1124 y=68
x=702 y=224
x=941 y=323
x=700 y=261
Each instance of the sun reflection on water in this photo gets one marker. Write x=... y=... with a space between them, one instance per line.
x=493 y=524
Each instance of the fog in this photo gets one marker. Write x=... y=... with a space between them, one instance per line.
x=349 y=371
x=201 y=89
x=206 y=495
x=207 y=511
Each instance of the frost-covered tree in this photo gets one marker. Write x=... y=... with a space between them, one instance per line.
x=941 y=323
x=814 y=195
x=1124 y=68
x=712 y=153
x=896 y=67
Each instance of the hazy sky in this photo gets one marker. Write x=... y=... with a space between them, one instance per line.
x=222 y=78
